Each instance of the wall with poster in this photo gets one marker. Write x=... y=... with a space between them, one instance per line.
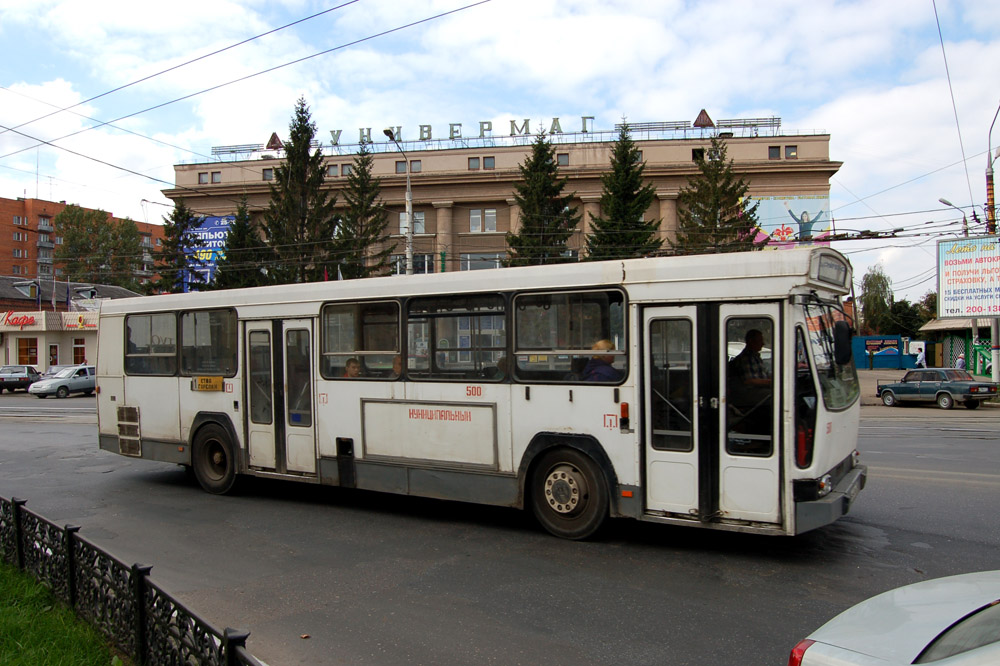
x=212 y=232
x=790 y=221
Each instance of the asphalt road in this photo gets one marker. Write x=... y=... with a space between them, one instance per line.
x=330 y=576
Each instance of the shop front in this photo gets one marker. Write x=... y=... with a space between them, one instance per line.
x=44 y=339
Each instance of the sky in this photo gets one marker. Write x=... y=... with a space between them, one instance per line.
x=147 y=86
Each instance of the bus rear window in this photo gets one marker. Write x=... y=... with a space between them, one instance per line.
x=208 y=343
x=151 y=344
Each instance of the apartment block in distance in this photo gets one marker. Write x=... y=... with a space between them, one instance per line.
x=29 y=238
x=463 y=177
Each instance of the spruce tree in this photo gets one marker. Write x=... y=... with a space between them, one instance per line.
x=547 y=219
x=363 y=240
x=176 y=262
x=714 y=213
x=246 y=259
x=300 y=223
x=620 y=232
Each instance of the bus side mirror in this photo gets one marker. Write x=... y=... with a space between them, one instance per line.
x=841 y=342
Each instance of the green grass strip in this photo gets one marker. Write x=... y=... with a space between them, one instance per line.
x=36 y=629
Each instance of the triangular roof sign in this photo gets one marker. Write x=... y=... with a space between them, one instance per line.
x=703 y=120
x=274 y=143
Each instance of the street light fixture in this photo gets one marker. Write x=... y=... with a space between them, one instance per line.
x=409 y=204
x=965 y=220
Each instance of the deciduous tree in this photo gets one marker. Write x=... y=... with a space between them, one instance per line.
x=97 y=248
x=876 y=300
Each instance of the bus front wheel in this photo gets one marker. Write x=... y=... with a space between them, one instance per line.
x=568 y=494
x=213 y=460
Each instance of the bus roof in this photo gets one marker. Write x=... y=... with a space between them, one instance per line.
x=696 y=277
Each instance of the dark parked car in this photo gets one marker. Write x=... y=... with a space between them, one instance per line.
x=941 y=385
x=17 y=377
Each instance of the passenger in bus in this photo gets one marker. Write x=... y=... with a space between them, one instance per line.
x=353 y=368
x=599 y=368
x=397 y=366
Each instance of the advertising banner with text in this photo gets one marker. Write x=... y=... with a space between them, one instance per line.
x=969 y=277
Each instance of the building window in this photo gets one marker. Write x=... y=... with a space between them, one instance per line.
x=332 y=171
x=562 y=159
x=203 y=178
x=638 y=157
x=79 y=351
x=18 y=253
x=474 y=261
x=44 y=269
x=16 y=270
x=774 y=152
x=27 y=351
x=45 y=223
x=18 y=220
x=422 y=263
x=58 y=240
x=418 y=222
x=791 y=152
x=400 y=167
x=697 y=154
x=473 y=164
x=267 y=174
x=19 y=236
x=43 y=238
x=216 y=176
x=482 y=219
x=415 y=166
x=489 y=162
x=346 y=170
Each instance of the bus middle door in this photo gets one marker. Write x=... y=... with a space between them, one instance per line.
x=281 y=431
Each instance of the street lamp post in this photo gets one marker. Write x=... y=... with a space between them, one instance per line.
x=965 y=220
x=991 y=212
x=409 y=204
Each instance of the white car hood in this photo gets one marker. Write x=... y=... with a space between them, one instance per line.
x=897 y=625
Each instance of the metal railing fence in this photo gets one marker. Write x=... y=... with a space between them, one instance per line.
x=136 y=614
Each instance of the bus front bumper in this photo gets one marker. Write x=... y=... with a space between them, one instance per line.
x=815 y=513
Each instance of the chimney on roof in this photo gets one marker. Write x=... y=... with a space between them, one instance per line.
x=703 y=120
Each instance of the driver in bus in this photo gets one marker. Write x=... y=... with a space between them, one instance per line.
x=750 y=379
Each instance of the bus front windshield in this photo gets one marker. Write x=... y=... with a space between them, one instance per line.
x=839 y=382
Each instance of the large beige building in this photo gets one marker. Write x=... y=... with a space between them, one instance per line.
x=463 y=187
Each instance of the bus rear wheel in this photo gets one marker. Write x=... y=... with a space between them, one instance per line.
x=213 y=460
x=569 y=496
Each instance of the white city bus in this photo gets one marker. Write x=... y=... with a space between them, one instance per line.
x=583 y=390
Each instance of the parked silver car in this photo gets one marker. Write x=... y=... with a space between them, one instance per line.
x=74 y=379
x=943 y=621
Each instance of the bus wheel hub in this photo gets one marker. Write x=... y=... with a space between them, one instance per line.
x=564 y=486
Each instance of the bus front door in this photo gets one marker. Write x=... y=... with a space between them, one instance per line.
x=711 y=412
x=280 y=411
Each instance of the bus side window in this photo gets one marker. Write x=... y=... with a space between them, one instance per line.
x=457 y=338
x=362 y=333
x=574 y=337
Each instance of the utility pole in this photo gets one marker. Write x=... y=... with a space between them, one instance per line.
x=991 y=228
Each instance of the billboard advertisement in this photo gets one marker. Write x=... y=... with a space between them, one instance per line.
x=791 y=221
x=212 y=233
x=969 y=277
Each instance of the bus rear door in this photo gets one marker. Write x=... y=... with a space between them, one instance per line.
x=280 y=412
